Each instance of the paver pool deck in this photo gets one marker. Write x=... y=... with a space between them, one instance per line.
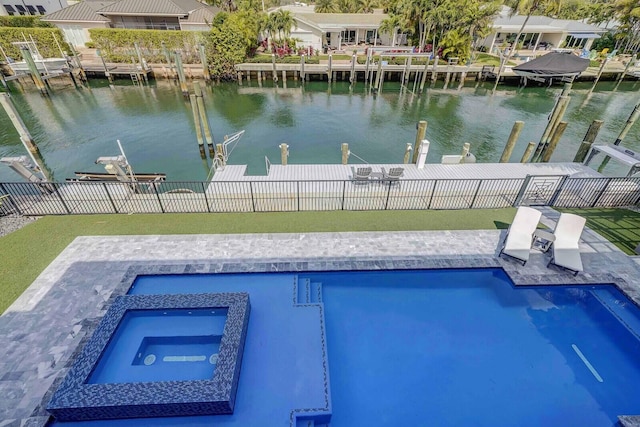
x=42 y=330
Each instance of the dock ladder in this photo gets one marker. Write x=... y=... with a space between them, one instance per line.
x=135 y=79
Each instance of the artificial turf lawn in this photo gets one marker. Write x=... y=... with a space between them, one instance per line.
x=619 y=226
x=25 y=253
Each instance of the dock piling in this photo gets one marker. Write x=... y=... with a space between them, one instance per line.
x=423 y=79
x=352 y=72
x=557 y=134
x=284 y=153
x=330 y=68
x=434 y=71
x=205 y=63
x=420 y=134
x=407 y=153
x=589 y=139
x=274 y=69
x=33 y=69
x=345 y=153
x=197 y=124
x=527 y=152
x=511 y=142
x=220 y=154
x=302 y=75
x=376 y=86
x=167 y=56
x=180 y=70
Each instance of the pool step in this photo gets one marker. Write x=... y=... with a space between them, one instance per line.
x=316 y=292
x=304 y=291
x=310 y=423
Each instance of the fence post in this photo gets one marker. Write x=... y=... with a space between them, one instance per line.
x=155 y=189
x=523 y=189
x=595 y=202
x=298 y=193
x=386 y=203
x=55 y=187
x=556 y=194
x=475 y=195
x=206 y=199
x=344 y=189
x=253 y=202
x=106 y=190
x=433 y=191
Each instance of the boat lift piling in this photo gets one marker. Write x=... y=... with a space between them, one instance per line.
x=630 y=121
x=197 y=124
x=167 y=56
x=589 y=139
x=595 y=82
x=33 y=69
x=434 y=71
x=204 y=120
x=554 y=118
x=26 y=138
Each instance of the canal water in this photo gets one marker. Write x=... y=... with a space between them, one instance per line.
x=155 y=124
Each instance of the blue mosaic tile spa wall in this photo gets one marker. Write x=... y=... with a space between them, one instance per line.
x=76 y=400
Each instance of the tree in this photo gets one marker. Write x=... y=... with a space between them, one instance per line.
x=628 y=13
x=232 y=36
x=325 y=6
x=366 y=6
x=226 y=5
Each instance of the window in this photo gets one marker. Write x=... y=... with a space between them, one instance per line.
x=10 y=10
x=32 y=10
x=41 y=10
x=21 y=9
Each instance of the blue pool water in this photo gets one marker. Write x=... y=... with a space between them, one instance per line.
x=148 y=346
x=430 y=347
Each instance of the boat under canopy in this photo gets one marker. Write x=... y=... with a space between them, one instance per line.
x=553 y=65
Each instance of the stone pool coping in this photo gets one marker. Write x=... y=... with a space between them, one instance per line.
x=42 y=330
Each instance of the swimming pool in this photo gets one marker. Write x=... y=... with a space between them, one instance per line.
x=423 y=347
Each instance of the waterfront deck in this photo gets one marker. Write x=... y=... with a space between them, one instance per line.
x=331 y=187
x=307 y=172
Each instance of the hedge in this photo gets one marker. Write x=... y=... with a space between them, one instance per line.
x=42 y=36
x=117 y=45
x=24 y=21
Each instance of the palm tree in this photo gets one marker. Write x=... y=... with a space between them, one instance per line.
x=284 y=20
x=325 y=6
x=366 y=6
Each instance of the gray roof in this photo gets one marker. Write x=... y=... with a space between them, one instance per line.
x=204 y=15
x=84 y=11
x=340 y=20
x=152 y=7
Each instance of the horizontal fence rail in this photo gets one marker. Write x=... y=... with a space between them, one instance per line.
x=98 y=197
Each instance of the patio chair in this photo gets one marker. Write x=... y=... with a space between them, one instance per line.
x=566 y=253
x=517 y=245
x=361 y=175
x=393 y=176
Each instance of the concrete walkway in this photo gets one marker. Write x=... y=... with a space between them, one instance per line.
x=42 y=330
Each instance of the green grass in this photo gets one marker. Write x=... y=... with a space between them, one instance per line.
x=27 y=252
x=488 y=59
x=619 y=226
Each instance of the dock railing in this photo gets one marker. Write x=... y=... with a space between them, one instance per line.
x=96 y=197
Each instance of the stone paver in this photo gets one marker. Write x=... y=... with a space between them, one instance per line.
x=41 y=331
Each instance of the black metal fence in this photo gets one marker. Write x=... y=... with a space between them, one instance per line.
x=97 y=197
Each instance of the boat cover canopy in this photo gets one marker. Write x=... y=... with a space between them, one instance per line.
x=554 y=64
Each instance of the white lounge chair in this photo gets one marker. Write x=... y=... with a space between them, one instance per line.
x=566 y=253
x=520 y=234
x=361 y=175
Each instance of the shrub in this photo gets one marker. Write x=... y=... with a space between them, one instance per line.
x=24 y=21
x=43 y=37
x=117 y=45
